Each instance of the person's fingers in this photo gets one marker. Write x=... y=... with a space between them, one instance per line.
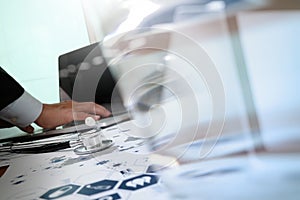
x=83 y=106
x=90 y=107
x=82 y=116
x=100 y=110
x=28 y=129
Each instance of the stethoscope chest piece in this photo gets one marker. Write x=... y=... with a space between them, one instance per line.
x=92 y=141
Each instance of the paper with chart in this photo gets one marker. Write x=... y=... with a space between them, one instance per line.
x=123 y=171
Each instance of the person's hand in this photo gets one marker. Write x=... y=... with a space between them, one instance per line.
x=54 y=115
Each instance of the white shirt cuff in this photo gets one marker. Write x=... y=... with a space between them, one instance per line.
x=23 y=111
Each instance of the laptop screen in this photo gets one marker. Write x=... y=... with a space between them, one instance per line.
x=85 y=77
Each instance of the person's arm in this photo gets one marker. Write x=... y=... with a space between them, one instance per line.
x=19 y=108
x=9 y=88
x=22 y=112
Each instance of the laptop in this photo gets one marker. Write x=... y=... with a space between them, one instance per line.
x=84 y=76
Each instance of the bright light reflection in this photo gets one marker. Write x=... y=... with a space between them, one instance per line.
x=138 y=10
x=215 y=5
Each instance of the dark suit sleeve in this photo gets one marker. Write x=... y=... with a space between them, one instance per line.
x=10 y=89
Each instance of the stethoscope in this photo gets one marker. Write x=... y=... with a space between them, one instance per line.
x=93 y=140
x=85 y=138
